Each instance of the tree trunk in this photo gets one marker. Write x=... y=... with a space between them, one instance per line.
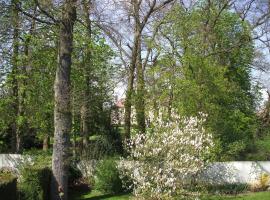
x=140 y=103
x=128 y=99
x=14 y=74
x=46 y=142
x=22 y=125
x=134 y=57
x=84 y=122
x=62 y=112
x=73 y=132
x=85 y=109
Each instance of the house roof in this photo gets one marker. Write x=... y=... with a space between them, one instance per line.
x=120 y=103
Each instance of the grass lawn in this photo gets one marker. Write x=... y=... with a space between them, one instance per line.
x=248 y=196
x=95 y=195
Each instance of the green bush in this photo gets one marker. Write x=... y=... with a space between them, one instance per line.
x=8 y=186
x=35 y=183
x=232 y=188
x=107 y=177
x=40 y=157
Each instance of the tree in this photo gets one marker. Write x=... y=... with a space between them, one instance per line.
x=101 y=73
x=62 y=112
x=207 y=67
x=135 y=17
x=85 y=111
x=15 y=90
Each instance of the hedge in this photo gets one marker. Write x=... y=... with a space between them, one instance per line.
x=8 y=186
x=35 y=183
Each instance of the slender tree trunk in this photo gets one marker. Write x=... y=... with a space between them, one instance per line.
x=46 y=142
x=128 y=99
x=84 y=122
x=130 y=90
x=140 y=103
x=140 y=92
x=155 y=100
x=74 y=142
x=85 y=109
x=14 y=74
x=21 y=127
x=62 y=112
x=134 y=57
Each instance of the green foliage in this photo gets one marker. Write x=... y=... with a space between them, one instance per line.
x=8 y=185
x=92 y=85
x=260 y=150
x=227 y=188
x=35 y=179
x=35 y=183
x=6 y=113
x=41 y=158
x=207 y=69
x=107 y=177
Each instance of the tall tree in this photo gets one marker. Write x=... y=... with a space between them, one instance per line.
x=141 y=12
x=62 y=112
x=207 y=68
x=85 y=111
x=16 y=134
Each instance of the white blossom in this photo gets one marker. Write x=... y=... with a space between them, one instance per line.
x=162 y=161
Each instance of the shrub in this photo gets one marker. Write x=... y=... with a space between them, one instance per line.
x=8 y=185
x=229 y=188
x=261 y=184
x=40 y=157
x=107 y=177
x=162 y=162
x=101 y=146
x=35 y=183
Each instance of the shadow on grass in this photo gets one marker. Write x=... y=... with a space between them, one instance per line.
x=104 y=196
x=76 y=194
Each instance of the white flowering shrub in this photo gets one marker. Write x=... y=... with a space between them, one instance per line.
x=162 y=162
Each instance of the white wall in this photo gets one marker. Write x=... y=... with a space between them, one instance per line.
x=235 y=172
x=215 y=173
x=13 y=161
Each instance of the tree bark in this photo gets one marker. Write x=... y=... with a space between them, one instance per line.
x=128 y=99
x=62 y=112
x=140 y=102
x=132 y=67
x=46 y=142
x=14 y=74
x=85 y=109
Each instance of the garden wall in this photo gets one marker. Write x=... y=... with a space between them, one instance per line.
x=13 y=161
x=216 y=173
x=235 y=171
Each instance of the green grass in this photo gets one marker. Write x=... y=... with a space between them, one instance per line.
x=248 y=196
x=95 y=195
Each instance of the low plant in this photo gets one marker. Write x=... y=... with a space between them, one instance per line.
x=35 y=183
x=40 y=157
x=107 y=177
x=229 y=188
x=262 y=184
x=8 y=185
